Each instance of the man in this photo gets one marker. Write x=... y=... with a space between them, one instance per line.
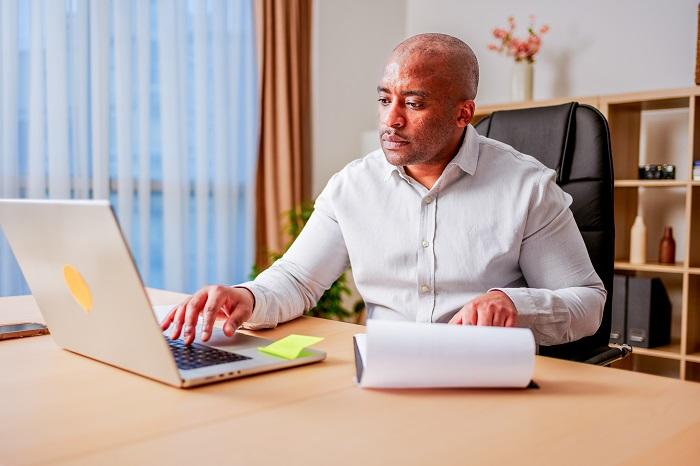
x=440 y=225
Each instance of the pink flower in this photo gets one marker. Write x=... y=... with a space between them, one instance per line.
x=534 y=40
x=499 y=33
x=519 y=48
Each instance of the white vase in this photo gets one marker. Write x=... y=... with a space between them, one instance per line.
x=638 y=241
x=522 y=81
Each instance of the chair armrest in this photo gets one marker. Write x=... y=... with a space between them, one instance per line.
x=609 y=356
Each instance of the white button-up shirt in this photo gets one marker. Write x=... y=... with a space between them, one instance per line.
x=495 y=219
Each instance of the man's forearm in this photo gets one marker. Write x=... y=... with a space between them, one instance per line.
x=559 y=316
x=282 y=293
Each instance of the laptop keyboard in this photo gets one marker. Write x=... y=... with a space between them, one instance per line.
x=196 y=355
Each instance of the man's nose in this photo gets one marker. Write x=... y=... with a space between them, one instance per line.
x=393 y=116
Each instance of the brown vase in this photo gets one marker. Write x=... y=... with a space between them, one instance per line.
x=667 y=247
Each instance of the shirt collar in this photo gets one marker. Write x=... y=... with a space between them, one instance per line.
x=466 y=157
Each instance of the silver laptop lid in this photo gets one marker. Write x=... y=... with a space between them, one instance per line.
x=86 y=284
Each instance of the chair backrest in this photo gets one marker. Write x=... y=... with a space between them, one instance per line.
x=574 y=140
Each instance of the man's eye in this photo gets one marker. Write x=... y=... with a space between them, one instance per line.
x=383 y=101
x=414 y=105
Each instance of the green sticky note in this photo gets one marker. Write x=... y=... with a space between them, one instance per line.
x=290 y=347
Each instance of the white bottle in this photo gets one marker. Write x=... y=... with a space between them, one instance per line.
x=638 y=241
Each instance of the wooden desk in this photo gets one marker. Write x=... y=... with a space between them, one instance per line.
x=59 y=408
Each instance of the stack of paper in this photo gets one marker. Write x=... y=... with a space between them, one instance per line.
x=416 y=355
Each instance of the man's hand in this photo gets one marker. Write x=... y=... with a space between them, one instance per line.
x=233 y=304
x=493 y=309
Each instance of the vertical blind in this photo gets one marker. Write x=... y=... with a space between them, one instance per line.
x=149 y=103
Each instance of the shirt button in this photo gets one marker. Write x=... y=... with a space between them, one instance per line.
x=425 y=244
x=428 y=199
x=424 y=288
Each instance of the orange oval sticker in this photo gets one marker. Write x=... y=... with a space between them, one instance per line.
x=78 y=287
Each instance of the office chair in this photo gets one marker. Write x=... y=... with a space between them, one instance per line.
x=574 y=140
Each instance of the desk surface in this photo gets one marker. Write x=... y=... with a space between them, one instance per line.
x=60 y=408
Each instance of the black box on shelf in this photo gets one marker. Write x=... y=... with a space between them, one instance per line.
x=648 y=313
x=618 y=322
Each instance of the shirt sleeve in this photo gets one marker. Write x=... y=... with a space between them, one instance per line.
x=565 y=297
x=296 y=281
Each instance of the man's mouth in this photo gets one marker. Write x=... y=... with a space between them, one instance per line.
x=393 y=142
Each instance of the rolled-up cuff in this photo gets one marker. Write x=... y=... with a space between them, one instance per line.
x=259 y=318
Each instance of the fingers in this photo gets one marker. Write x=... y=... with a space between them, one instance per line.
x=241 y=312
x=211 y=307
x=165 y=323
x=471 y=317
x=485 y=314
x=233 y=322
x=499 y=318
x=493 y=309
x=213 y=301
x=179 y=319
x=465 y=316
x=192 y=310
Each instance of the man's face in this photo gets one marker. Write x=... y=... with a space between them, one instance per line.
x=417 y=114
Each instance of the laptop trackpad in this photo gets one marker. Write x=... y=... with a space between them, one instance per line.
x=239 y=341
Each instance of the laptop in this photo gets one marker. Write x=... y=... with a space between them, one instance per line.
x=85 y=282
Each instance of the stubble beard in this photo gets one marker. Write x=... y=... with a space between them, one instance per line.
x=410 y=158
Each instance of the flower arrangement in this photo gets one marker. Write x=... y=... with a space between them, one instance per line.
x=520 y=49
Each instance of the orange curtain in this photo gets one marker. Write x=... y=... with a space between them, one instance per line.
x=284 y=159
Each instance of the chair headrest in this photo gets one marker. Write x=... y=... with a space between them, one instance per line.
x=553 y=126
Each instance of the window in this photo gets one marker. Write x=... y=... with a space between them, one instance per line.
x=163 y=95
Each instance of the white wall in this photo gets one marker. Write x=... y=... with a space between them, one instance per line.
x=351 y=40
x=594 y=47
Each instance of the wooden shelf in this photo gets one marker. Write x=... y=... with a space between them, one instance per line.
x=633 y=139
x=651 y=267
x=672 y=351
x=650 y=184
x=652 y=100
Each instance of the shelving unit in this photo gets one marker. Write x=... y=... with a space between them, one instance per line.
x=650 y=184
x=655 y=127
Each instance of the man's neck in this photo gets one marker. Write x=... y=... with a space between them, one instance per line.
x=426 y=174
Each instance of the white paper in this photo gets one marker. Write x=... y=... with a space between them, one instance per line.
x=418 y=355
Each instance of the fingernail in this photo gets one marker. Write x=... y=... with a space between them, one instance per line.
x=188 y=330
x=205 y=335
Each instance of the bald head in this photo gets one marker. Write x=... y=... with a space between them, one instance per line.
x=426 y=100
x=455 y=60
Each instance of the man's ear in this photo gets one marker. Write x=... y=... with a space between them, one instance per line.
x=466 y=112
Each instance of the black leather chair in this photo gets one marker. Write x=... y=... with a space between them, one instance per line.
x=574 y=140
